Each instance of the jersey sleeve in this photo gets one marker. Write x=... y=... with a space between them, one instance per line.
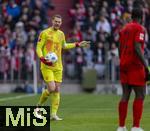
x=67 y=45
x=40 y=44
x=63 y=40
x=140 y=36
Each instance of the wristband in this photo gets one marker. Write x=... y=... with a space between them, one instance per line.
x=77 y=44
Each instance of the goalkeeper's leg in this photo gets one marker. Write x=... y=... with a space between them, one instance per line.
x=46 y=93
x=55 y=100
x=48 y=77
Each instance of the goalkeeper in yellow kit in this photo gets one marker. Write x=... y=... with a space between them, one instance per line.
x=53 y=40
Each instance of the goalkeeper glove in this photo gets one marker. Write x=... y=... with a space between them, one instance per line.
x=43 y=60
x=82 y=44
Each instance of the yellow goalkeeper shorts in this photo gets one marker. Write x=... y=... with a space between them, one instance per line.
x=51 y=75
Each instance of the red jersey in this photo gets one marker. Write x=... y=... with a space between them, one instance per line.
x=132 y=32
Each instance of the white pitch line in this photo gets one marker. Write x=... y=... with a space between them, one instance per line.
x=90 y=109
x=16 y=97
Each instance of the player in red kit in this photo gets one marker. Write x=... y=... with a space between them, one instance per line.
x=133 y=69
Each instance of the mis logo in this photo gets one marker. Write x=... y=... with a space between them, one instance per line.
x=23 y=118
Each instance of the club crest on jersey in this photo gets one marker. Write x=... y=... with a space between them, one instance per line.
x=141 y=36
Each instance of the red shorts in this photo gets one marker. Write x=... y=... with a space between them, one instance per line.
x=133 y=77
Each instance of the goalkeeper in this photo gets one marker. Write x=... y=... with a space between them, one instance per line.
x=53 y=40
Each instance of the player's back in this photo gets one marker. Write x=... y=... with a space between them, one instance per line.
x=128 y=34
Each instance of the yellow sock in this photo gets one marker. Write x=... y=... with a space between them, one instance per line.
x=43 y=97
x=55 y=100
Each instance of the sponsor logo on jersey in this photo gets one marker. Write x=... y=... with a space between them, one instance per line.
x=141 y=36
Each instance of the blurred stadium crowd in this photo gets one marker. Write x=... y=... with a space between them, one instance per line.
x=99 y=21
x=96 y=20
x=20 y=23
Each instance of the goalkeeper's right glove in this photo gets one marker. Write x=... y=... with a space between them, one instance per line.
x=43 y=60
x=82 y=44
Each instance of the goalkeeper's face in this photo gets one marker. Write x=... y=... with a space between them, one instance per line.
x=56 y=23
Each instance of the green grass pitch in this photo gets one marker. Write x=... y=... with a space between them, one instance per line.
x=86 y=112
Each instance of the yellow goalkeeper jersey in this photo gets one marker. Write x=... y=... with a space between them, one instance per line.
x=51 y=40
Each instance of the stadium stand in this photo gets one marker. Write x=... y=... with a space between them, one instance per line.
x=20 y=24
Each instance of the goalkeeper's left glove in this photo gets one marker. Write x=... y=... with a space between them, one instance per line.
x=43 y=60
x=82 y=44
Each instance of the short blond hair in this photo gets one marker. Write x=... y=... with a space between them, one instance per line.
x=56 y=15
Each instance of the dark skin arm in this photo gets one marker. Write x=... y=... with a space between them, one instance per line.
x=138 y=51
x=141 y=56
